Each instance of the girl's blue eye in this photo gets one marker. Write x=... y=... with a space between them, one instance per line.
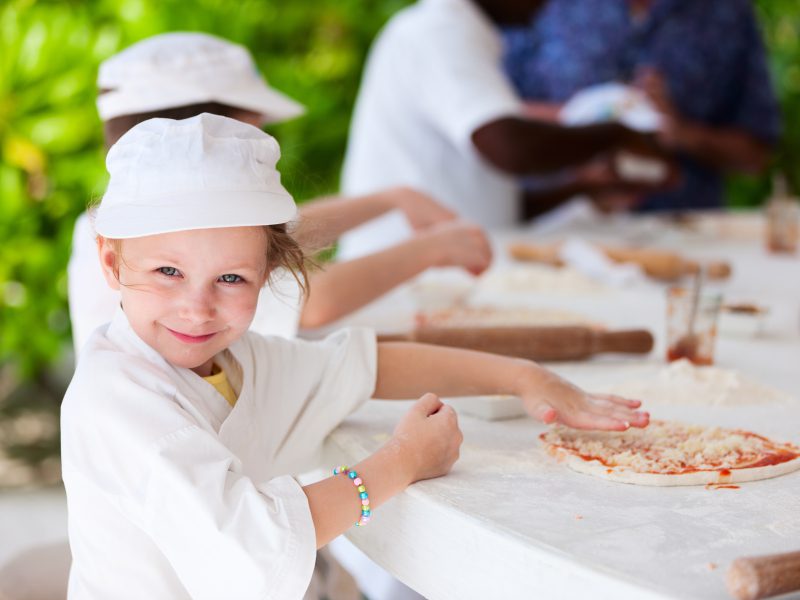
x=230 y=278
x=168 y=271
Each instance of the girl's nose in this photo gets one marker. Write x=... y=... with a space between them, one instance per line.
x=198 y=305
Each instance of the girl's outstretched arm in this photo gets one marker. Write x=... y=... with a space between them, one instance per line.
x=406 y=370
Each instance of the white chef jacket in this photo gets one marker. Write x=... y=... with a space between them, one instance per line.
x=433 y=77
x=92 y=302
x=174 y=494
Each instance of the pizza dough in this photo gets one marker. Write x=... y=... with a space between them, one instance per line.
x=491 y=316
x=668 y=453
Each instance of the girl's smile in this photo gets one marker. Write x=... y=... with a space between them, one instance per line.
x=191 y=339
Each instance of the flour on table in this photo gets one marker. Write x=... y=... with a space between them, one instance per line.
x=684 y=383
x=536 y=278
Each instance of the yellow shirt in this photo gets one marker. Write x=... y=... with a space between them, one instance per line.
x=219 y=380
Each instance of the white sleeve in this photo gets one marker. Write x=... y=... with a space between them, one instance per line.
x=91 y=302
x=349 y=377
x=225 y=535
x=312 y=386
x=456 y=84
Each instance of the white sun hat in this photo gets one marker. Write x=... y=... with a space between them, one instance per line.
x=180 y=69
x=200 y=173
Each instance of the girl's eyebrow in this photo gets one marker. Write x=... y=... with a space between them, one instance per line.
x=162 y=259
x=242 y=267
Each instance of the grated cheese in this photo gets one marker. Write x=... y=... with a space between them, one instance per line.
x=667 y=447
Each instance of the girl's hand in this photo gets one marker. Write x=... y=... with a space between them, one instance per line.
x=554 y=400
x=457 y=244
x=421 y=210
x=428 y=439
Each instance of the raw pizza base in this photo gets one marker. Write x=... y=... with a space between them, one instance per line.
x=714 y=450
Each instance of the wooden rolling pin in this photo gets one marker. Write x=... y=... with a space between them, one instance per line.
x=534 y=343
x=659 y=264
x=755 y=577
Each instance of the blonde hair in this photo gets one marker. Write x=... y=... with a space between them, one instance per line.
x=283 y=251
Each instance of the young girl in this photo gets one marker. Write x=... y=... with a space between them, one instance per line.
x=180 y=75
x=180 y=427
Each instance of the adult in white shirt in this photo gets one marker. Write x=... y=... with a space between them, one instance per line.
x=437 y=112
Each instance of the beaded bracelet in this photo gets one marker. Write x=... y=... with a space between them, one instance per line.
x=366 y=512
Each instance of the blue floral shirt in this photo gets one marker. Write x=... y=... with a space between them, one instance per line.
x=709 y=51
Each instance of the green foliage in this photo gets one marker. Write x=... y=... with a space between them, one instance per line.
x=780 y=25
x=51 y=164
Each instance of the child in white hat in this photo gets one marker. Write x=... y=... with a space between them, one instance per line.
x=180 y=75
x=180 y=427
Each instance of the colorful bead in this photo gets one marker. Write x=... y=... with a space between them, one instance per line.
x=366 y=511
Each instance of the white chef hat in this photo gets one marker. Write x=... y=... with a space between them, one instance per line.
x=200 y=173
x=180 y=69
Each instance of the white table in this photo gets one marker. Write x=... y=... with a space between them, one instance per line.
x=508 y=522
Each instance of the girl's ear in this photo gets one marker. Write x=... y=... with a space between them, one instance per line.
x=108 y=262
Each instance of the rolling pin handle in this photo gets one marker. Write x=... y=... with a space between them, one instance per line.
x=395 y=337
x=752 y=578
x=634 y=341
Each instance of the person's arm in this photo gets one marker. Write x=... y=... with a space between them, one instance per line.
x=597 y=179
x=526 y=147
x=341 y=288
x=726 y=148
x=406 y=369
x=324 y=220
x=424 y=445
